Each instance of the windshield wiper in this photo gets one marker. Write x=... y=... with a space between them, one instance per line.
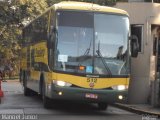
x=86 y=53
x=103 y=61
x=88 y=49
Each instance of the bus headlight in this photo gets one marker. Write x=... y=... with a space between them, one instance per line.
x=61 y=83
x=120 y=87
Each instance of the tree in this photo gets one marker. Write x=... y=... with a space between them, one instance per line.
x=14 y=15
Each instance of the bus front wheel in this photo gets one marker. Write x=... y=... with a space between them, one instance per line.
x=27 y=91
x=102 y=106
x=46 y=100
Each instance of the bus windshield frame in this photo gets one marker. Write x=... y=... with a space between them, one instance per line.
x=92 y=43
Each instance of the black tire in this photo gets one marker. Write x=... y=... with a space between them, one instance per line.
x=46 y=101
x=27 y=91
x=102 y=106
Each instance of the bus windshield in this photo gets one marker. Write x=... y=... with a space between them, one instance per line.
x=92 y=43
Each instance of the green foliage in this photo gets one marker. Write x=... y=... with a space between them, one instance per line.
x=13 y=15
x=31 y=8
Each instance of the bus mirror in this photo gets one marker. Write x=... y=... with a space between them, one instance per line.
x=54 y=30
x=51 y=39
x=134 y=46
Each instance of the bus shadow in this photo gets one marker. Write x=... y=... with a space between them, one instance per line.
x=77 y=108
x=74 y=107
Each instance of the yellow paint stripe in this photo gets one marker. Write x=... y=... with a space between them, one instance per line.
x=82 y=81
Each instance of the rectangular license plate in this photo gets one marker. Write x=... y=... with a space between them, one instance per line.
x=90 y=95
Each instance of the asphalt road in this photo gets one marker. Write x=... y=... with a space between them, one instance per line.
x=15 y=105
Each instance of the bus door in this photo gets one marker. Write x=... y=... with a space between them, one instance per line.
x=31 y=70
x=35 y=70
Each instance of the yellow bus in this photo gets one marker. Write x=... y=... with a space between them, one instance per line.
x=78 y=51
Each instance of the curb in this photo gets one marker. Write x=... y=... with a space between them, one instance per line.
x=15 y=80
x=136 y=110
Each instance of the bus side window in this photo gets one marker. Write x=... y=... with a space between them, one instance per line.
x=26 y=36
x=39 y=29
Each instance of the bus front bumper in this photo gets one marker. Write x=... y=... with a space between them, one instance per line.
x=87 y=95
